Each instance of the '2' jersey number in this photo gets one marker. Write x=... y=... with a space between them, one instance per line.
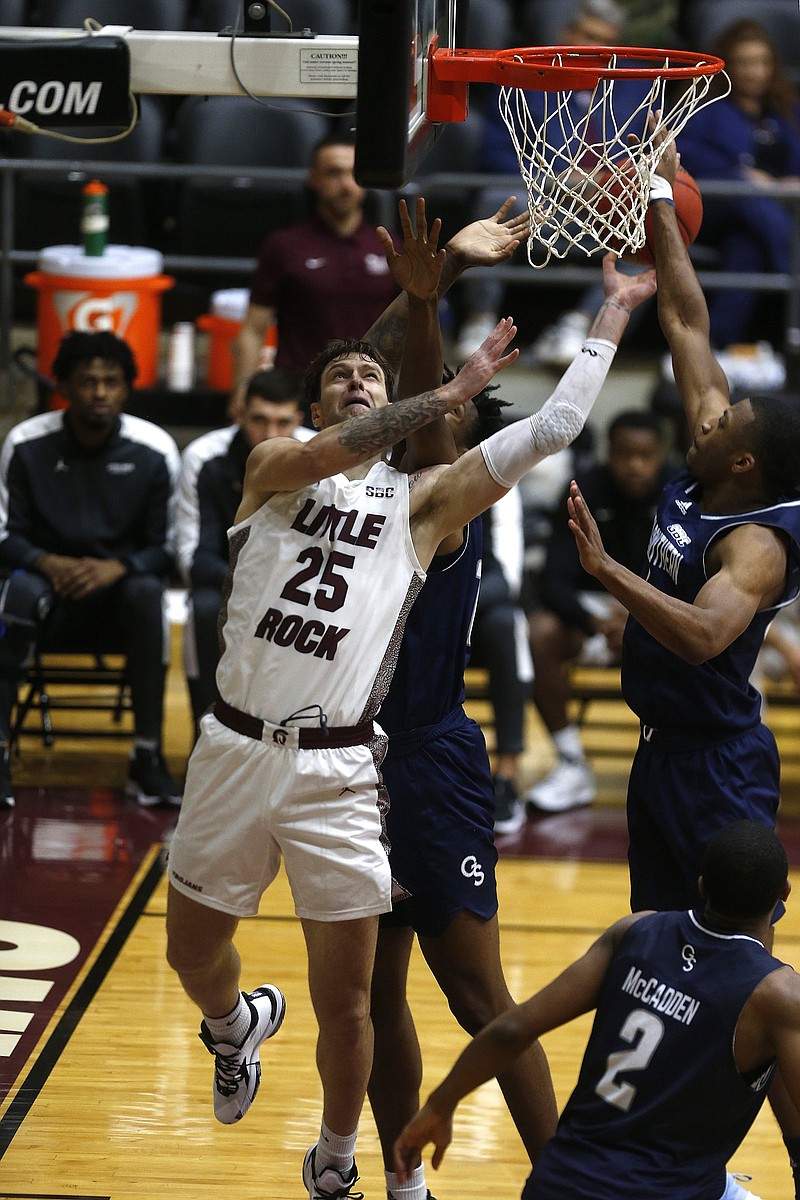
x=331 y=589
x=651 y=1028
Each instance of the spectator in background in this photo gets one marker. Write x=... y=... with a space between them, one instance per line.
x=650 y=23
x=319 y=279
x=86 y=498
x=779 y=657
x=578 y=620
x=209 y=493
x=753 y=134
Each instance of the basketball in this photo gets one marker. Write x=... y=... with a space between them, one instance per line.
x=688 y=210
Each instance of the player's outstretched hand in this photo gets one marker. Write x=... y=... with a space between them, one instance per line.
x=492 y=239
x=664 y=143
x=488 y=359
x=627 y=290
x=427 y=1126
x=417 y=269
x=584 y=527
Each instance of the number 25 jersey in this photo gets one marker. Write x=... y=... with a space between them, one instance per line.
x=320 y=583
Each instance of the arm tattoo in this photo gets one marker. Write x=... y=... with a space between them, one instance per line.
x=412 y=479
x=388 y=335
x=383 y=427
x=612 y=303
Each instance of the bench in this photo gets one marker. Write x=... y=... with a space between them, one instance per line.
x=611 y=730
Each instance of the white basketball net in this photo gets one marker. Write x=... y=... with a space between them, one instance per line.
x=587 y=185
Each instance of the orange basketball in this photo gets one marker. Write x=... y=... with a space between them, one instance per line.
x=688 y=210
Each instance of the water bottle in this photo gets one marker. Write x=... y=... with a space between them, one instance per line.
x=180 y=357
x=94 y=218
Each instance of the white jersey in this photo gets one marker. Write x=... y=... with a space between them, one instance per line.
x=313 y=610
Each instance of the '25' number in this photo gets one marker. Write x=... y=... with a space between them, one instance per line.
x=331 y=590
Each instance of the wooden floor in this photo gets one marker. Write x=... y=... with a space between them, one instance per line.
x=107 y=1087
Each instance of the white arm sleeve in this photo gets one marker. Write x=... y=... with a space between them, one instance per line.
x=512 y=452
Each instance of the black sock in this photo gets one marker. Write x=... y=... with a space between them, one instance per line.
x=792 y=1144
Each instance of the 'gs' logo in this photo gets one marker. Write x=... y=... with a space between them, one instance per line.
x=280 y=736
x=689 y=957
x=472 y=869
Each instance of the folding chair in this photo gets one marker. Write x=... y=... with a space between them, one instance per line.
x=73 y=682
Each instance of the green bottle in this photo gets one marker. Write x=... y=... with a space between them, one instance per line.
x=94 y=218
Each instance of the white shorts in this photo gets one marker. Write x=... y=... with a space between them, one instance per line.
x=247 y=803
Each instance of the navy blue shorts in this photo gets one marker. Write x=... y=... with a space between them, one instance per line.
x=680 y=793
x=440 y=824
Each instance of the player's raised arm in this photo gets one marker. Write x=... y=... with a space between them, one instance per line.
x=483 y=243
x=747 y=571
x=417 y=268
x=682 y=309
x=482 y=475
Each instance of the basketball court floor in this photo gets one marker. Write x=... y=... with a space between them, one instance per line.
x=105 y=1088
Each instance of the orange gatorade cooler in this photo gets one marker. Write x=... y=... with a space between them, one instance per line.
x=222 y=324
x=118 y=290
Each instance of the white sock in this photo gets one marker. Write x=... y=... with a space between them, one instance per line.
x=568 y=743
x=334 y=1149
x=414 y=1189
x=232 y=1028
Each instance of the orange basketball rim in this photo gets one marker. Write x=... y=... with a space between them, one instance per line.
x=576 y=141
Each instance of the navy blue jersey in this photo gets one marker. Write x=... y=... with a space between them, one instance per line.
x=660 y=1107
x=662 y=689
x=428 y=681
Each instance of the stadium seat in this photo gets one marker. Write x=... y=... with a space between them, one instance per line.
x=14 y=12
x=489 y=26
x=231 y=217
x=321 y=16
x=141 y=14
x=542 y=21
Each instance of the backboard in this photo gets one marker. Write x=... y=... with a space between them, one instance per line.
x=385 y=67
x=395 y=38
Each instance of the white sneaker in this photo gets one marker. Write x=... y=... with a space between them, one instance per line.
x=558 y=344
x=474 y=333
x=237 y=1069
x=734 y=1190
x=331 y=1183
x=569 y=785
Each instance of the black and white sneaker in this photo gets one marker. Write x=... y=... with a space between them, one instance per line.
x=330 y=1183
x=428 y=1196
x=509 y=812
x=149 y=779
x=237 y=1070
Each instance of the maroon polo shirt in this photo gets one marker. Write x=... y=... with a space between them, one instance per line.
x=322 y=287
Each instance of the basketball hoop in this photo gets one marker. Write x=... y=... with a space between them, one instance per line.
x=585 y=162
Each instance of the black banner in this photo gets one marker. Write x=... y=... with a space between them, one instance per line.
x=80 y=81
